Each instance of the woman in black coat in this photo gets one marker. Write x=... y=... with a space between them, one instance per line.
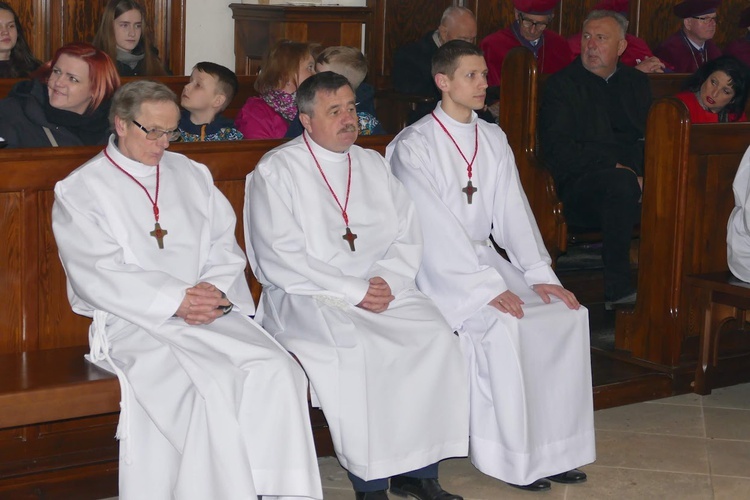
x=67 y=104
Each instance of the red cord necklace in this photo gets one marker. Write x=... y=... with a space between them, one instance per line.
x=469 y=190
x=348 y=235
x=158 y=232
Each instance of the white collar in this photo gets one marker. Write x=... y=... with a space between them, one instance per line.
x=134 y=168
x=323 y=154
x=449 y=122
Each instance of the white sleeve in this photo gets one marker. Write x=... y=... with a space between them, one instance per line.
x=401 y=261
x=451 y=273
x=225 y=264
x=98 y=277
x=514 y=227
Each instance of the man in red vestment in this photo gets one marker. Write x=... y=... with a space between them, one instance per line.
x=637 y=54
x=691 y=47
x=528 y=30
x=740 y=48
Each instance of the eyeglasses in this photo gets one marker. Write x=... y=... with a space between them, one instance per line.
x=155 y=134
x=529 y=24
x=706 y=19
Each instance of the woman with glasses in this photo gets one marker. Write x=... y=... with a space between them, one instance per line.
x=532 y=18
x=66 y=104
x=692 y=46
x=717 y=92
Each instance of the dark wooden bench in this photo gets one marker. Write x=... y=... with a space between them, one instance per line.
x=724 y=301
x=687 y=200
x=58 y=413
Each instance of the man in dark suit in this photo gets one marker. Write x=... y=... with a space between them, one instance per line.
x=592 y=123
x=412 y=63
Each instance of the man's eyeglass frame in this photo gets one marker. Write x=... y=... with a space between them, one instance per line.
x=155 y=134
x=706 y=19
x=529 y=24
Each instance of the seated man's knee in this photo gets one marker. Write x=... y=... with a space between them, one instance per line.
x=623 y=184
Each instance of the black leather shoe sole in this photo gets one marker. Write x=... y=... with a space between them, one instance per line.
x=574 y=476
x=421 y=489
x=538 y=485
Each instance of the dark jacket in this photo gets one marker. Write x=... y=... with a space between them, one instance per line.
x=24 y=114
x=220 y=129
x=679 y=53
x=577 y=132
x=124 y=69
x=365 y=96
x=412 y=74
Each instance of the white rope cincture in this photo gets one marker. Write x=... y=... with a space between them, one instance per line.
x=99 y=344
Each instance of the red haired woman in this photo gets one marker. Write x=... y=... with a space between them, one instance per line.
x=66 y=104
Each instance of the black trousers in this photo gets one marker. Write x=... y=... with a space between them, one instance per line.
x=427 y=472
x=607 y=200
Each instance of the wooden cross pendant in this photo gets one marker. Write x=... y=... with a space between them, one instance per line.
x=469 y=190
x=159 y=234
x=350 y=237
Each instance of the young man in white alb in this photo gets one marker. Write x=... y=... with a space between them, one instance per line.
x=525 y=337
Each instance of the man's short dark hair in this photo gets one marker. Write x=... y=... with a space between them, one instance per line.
x=446 y=58
x=227 y=82
x=327 y=81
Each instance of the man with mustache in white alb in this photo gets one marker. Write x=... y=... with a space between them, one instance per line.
x=334 y=239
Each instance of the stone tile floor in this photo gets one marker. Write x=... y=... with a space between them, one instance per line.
x=686 y=447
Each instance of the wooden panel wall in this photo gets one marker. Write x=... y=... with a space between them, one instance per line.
x=50 y=24
x=398 y=22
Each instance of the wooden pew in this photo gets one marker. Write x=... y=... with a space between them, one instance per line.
x=687 y=199
x=58 y=413
x=176 y=83
x=686 y=202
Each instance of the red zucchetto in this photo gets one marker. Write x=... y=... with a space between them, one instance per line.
x=536 y=7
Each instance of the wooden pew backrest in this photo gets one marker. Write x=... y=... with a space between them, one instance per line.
x=58 y=413
x=37 y=314
x=687 y=200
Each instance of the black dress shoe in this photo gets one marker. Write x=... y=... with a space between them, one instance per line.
x=421 y=489
x=571 y=477
x=538 y=485
x=371 y=495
